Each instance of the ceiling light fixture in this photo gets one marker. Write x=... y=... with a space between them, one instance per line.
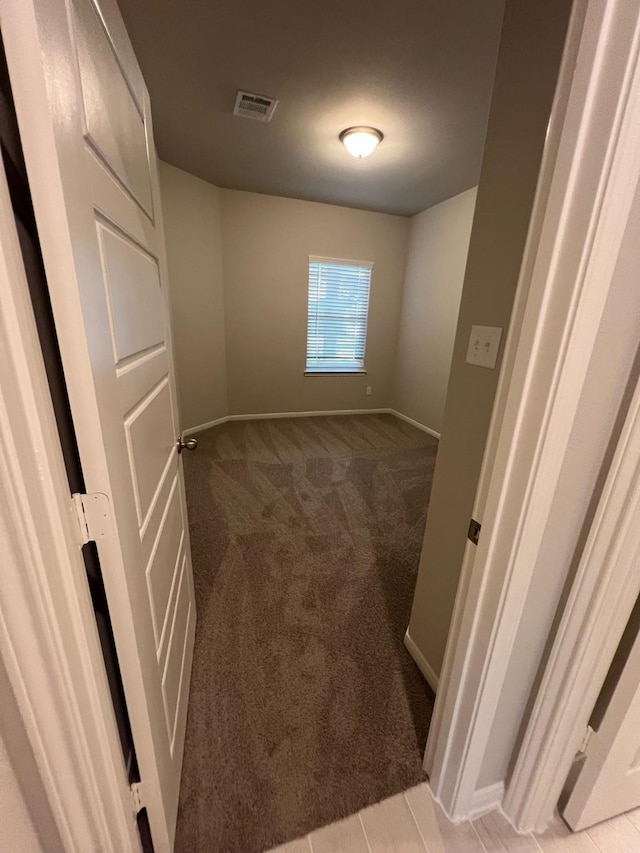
x=361 y=141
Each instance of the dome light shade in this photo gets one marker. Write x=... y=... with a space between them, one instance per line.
x=361 y=141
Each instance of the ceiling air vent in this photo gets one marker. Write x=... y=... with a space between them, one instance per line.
x=259 y=107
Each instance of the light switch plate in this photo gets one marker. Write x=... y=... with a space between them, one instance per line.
x=484 y=343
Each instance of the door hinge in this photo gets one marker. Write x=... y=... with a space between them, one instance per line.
x=585 y=741
x=94 y=516
x=474 y=531
x=137 y=795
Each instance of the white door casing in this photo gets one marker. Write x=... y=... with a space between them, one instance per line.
x=83 y=112
x=606 y=582
x=599 y=604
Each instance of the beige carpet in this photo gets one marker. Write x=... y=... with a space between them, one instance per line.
x=305 y=706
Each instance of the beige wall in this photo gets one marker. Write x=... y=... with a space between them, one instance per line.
x=266 y=245
x=17 y=831
x=26 y=821
x=238 y=291
x=528 y=62
x=436 y=260
x=191 y=211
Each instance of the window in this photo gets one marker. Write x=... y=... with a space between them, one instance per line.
x=337 y=315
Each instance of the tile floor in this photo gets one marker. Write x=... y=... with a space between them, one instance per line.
x=413 y=823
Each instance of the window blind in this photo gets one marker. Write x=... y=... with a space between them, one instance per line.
x=337 y=315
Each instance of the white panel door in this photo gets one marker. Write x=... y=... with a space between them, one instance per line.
x=83 y=111
x=608 y=782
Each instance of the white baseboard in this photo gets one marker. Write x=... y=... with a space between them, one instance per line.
x=270 y=415
x=421 y=662
x=202 y=427
x=328 y=412
x=263 y=416
x=416 y=424
x=486 y=800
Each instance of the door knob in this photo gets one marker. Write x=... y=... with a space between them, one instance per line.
x=186 y=444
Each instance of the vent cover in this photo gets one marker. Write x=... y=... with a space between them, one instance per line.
x=259 y=107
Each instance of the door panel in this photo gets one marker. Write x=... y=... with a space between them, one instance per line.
x=144 y=372
x=135 y=297
x=608 y=782
x=84 y=115
x=150 y=530
x=174 y=669
x=151 y=442
x=114 y=119
x=167 y=627
x=167 y=551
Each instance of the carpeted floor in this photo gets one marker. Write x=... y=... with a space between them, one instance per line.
x=305 y=705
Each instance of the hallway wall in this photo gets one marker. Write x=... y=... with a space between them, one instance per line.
x=436 y=260
x=529 y=58
x=27 y=824
x=18 y=832
x=191 y=209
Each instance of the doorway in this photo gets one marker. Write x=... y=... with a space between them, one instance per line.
x=516 y=608
x=264 y=252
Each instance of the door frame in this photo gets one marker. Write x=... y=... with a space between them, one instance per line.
x=588 y=178
x=48 y=636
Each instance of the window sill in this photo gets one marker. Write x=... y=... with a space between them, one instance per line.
x=335 y=373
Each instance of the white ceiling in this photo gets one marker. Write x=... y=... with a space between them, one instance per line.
x=419 y=70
